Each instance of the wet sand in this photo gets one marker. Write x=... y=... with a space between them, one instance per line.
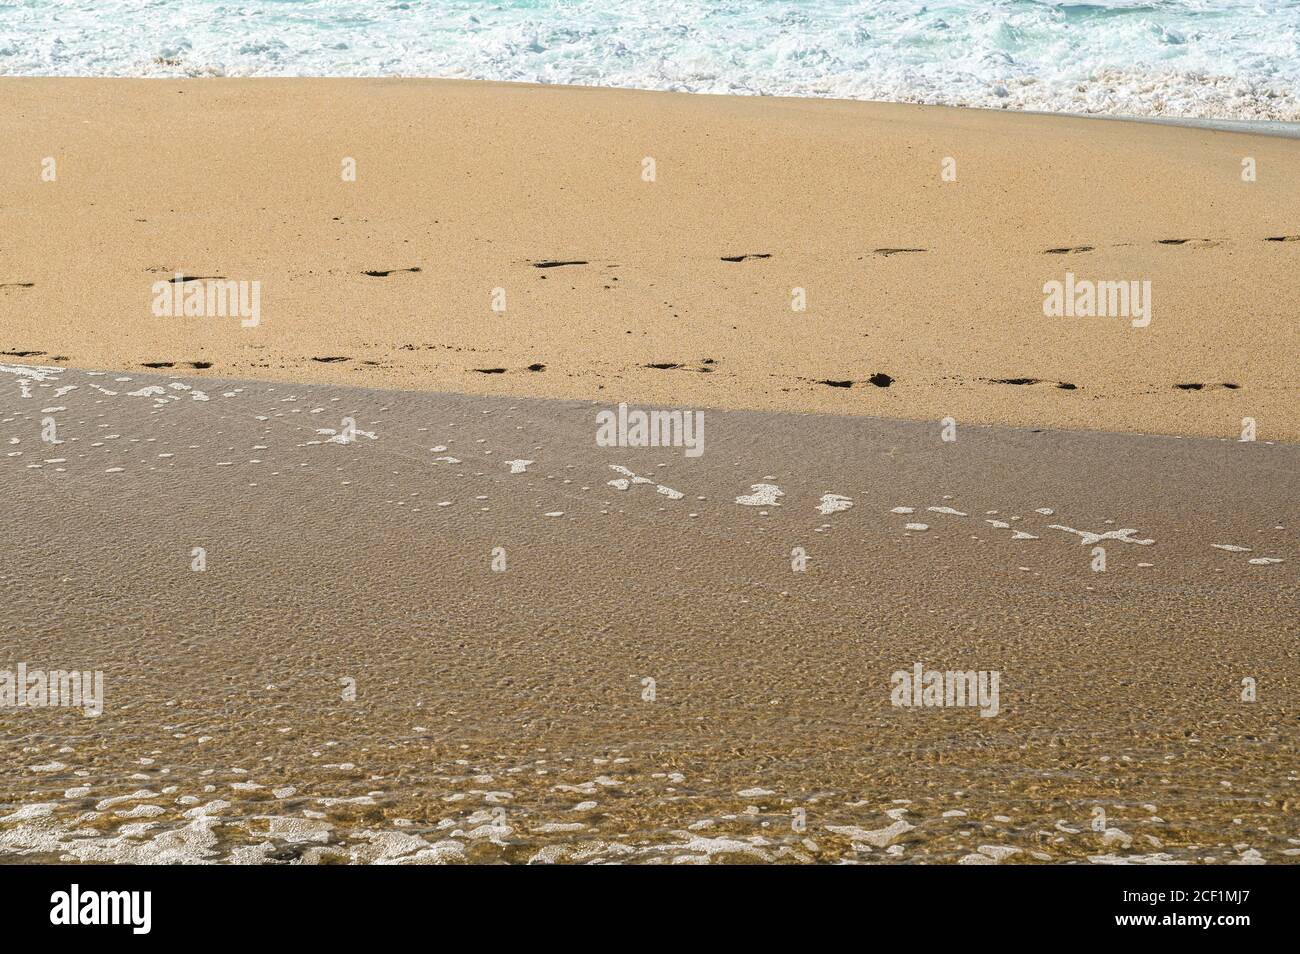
x=504 y=715
x=683 y=288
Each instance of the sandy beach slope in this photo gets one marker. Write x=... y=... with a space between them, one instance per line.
x=463 y=189
x=349 y=677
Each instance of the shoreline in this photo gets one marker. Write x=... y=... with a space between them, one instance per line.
x=829 y=418
x=1288 y=129
x=1279 y=128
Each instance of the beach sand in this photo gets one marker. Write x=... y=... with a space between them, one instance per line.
x=364 y=585
x=503 y=714
x=937 y=285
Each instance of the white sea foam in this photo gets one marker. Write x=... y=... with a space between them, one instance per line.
x=31 y=373
x=629 y=479
x=345 y=436
x=762 y=495
x=1208 y=58
x=834 y=503
x=878 y=838
x=1088 y=537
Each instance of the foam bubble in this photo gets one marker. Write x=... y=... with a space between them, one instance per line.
x=763 y=495
x=834 y=503
x=32 y=373
x=1088 y=537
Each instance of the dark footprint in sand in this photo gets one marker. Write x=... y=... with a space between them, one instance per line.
x=886 y=252
x=741 y=258
x=880 y=380
x=1195 y=243
x=200 y=365
x=490 y=370
x=1062 y=385
x=22 y=354
x=1068 y=250
x=549 y=263
x=836 y=384
x=158 y=364
x=330 y=359
x=181 y=279
x=18 y=285
x=537 y=367
x=662 y=366
x=384 y=273
x=1283 y=238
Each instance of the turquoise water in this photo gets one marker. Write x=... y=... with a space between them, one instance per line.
x=1224 y=59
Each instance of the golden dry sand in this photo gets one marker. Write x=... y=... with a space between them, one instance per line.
x=475 y=183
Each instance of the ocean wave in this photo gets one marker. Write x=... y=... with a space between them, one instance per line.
x=1216 y=59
